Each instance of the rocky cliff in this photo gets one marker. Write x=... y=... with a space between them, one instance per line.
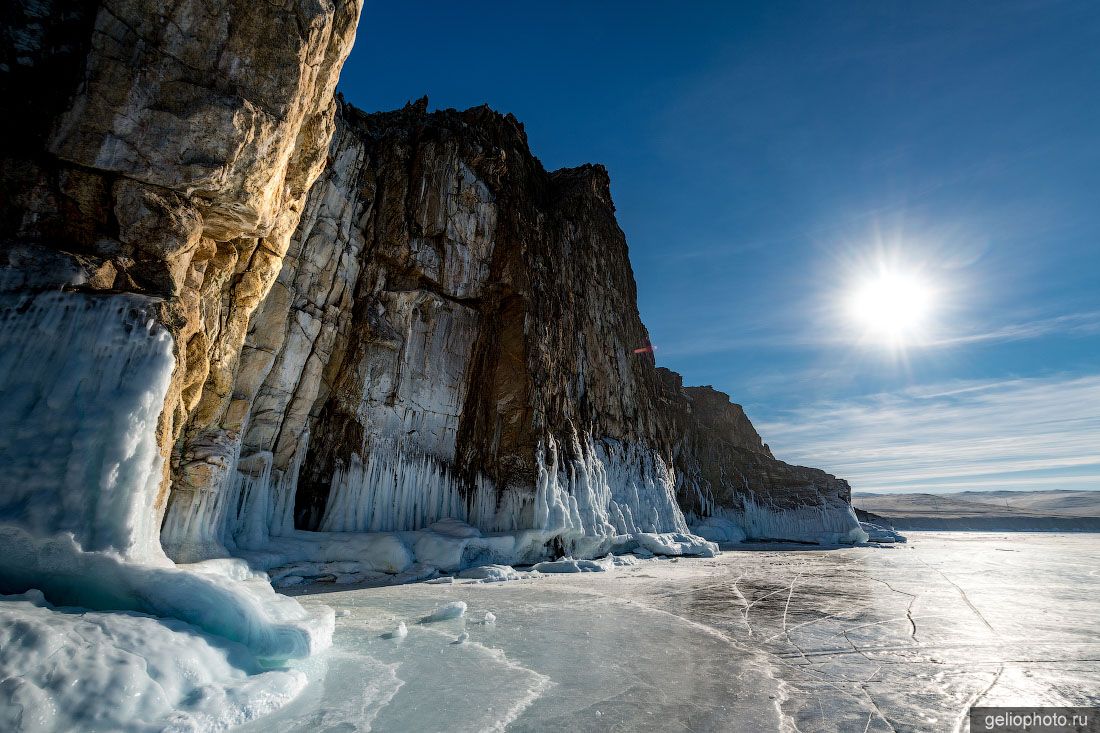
x=165 y=150
x=237 y=311
x=454 y=334
x=154 y=161
x=250 y=336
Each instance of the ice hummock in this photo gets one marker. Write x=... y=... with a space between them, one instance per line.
x=454 y=609
x=76 y=669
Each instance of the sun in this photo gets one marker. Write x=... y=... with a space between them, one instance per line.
x=892 y=307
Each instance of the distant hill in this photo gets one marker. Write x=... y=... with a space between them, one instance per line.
x=987 y=510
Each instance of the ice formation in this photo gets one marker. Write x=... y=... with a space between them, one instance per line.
x=829 y=523
x=454 y=609
x=878 y=533
x=75 y=669
x=393 y=490
x=569 y=565
x=600 y=489
x=399 y=517
x=84 y=380
x=491 y=573
x=718 y=529
x=398 y=633
x=594 y=490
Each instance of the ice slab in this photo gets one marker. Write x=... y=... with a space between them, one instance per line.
x=491 y=573
x=569 y=565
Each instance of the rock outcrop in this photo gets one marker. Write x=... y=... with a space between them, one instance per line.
x=154 y=161
x=343 y=322
x=164 y=150
x=454 y=334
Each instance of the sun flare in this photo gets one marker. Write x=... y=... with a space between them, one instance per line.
x=892 y=307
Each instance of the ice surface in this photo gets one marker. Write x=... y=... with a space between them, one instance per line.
x=75 y=669
x=776 y=638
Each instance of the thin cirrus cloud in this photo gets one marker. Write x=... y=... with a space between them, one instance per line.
x=1073 y=325
x=1026 y=434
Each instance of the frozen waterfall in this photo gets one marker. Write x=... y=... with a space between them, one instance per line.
x=84 y=380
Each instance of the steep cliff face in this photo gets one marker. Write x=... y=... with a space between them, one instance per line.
x=438 y=328
x=152 y=170
x=454 y=334
x=724 y=462
x=163 y=151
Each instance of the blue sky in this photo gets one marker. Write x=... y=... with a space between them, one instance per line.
x=766 y=157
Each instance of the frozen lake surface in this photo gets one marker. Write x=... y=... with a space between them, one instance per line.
x=764 y=637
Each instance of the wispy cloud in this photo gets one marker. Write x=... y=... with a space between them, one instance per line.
x=1073 y=325
x=1021 y=433
x=1070 y=324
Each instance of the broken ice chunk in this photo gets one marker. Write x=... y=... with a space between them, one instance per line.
x=454 y=609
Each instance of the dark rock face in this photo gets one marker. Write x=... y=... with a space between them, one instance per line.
x=723 y=461
x=450 y=315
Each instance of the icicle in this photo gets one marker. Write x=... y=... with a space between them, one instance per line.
x=830 y=523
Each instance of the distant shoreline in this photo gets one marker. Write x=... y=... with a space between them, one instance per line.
x=993 y=511
x=994 y=524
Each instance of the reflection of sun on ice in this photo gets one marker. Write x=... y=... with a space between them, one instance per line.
x=891 y=307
